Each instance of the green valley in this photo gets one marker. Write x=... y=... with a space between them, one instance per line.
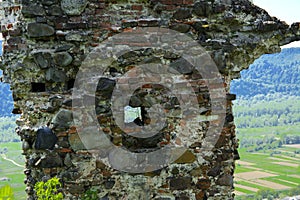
x=267 y=117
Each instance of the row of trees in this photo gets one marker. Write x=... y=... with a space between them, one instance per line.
x=256 y=112
x=269 y=194
x=268 y=142
x=262 y=143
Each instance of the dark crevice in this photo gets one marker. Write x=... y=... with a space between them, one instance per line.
x=70 y=84
x=38 y=87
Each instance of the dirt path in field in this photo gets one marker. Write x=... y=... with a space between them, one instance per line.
x=285 y=159
x=296 y=159
x=253 y=168
x=254 y=175
x=293 y=145
x=238 y=193
x=244 y=163
x=288 y=164
x=295 y=176
x=246 y=187
x=12 y=161
x=270 y=184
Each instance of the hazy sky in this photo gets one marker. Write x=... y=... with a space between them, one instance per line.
x=285 y=10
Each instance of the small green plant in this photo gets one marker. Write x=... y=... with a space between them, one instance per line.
x=49 y=190
x=90 y=194
x=6 y=193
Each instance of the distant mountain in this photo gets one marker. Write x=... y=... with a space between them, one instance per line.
x=6 y=101
x=273 y=73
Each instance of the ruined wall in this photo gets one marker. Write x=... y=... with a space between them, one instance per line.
x=45 y=49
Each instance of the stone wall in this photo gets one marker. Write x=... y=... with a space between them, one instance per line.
x=45 y=48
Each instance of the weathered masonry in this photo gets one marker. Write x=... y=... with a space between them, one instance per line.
x=46 y=42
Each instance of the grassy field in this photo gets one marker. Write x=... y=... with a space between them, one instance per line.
x=261 y=170
x=11 y=173
x=272 y=130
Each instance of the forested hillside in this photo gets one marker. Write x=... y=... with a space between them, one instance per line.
x=274 y=73
x=6 y=104
x=268 y=92
x=7 y=119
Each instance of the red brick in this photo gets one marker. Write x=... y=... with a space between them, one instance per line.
x=99 y=11
x=167 y=2
x=105 y=25
x=106 y=130
x=65 y=150
x=15 y=32
x=14 y=8
x=137 y=7
x=9 y=48
x=170 y=7
x=128 y=30
x=9 y=26
x=188 y=2
x=72 y=130
x=147 y=86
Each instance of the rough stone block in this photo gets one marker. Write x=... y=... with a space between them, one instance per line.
x=33 y=10
x=225 y=180
x=63 y=59
x=43 y=59
x=55 y=75
x=51 y=161
x=180 y=183
x=73 y=7
x=40 y=30
x=63 y=119
x=45 y=139
x=182 y=13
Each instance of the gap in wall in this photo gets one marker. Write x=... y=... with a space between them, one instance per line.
x=267 y=116
x=11 y=158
